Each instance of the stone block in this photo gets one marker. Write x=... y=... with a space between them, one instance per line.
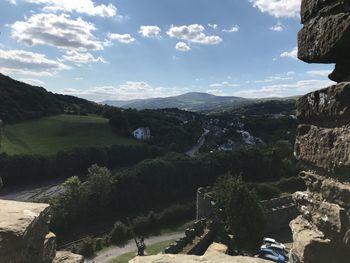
x=23 y=227
x=324 y=148
x=67 y=257
x=329 y=106
x=316 y=8
x=327 y=217
x=325 y=39
x=331 y=190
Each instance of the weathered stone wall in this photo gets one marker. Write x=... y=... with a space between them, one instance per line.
x=278 y=211
x=322 y=233
x=25 y=236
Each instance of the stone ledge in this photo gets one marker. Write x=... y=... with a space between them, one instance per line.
x=314 y=8
x=67 y=257
x=325 y=39
x=326 y=107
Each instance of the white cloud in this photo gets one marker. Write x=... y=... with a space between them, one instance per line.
x=80 y=6
x=321 y=73
x=56 y=30
x=278 y=27
x=213 y=26
x=122 y=38
x=13 y=2
x=193 y=33
x=217 y=92
x=28 y=63
x=278 y=8
x=232 y=29
x=224 y=84
x=126 y=91
x=34 y=82
x=283 y=90
x=290 y=54
x=150 y=31
x=182 y=46
x=81 y=57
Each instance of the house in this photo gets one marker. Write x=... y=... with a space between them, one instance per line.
x=142 y=134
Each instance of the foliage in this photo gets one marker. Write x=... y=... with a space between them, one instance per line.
x=241 y=212
x=119 y=234
x=86 y=248
x=20 y=101
x=167 y=129
x=70 y=162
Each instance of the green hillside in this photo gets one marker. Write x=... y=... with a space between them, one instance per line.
x=20 y=101
x=52 y=134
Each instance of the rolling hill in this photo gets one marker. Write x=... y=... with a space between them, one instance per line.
x=20 y=101
x=193 y=101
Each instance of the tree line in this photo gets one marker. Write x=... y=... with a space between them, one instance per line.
x=159 y=182
x=22 y=169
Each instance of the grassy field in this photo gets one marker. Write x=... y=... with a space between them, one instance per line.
x=52 y=134
x=151 y=250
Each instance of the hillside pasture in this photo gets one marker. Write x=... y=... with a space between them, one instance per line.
x=50 y=135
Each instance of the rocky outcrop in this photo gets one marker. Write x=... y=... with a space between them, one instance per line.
x=322 y=233
x=214 y=254
x=25 y=236
x=325 y=37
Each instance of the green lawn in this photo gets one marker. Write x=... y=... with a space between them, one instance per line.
x=151 y=250
x=52 y=134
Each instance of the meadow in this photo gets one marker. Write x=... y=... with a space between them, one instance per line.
x=47 y=136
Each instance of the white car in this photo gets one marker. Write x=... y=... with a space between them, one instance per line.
x=271 y=241
x=280 y=249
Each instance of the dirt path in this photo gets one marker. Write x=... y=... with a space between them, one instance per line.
x=106 y=255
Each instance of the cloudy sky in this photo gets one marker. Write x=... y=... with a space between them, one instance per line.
x=127 y=49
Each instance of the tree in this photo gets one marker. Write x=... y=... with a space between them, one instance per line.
x=240 y=211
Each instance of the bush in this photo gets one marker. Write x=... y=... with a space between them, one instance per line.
x=87 y=247
x=119 y=234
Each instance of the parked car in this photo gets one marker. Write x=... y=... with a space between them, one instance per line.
x=270 y=241
x=269 y=254
x=280 y=249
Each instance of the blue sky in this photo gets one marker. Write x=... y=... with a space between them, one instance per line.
x=127 y=49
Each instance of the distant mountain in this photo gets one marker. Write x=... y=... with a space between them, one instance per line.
x=193 y=101
x=21 y=101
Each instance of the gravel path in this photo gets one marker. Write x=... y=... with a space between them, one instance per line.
x=114 y=251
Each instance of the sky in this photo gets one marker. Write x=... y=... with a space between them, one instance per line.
x=136 y=49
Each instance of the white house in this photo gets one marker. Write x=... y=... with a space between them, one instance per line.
x=142 y=134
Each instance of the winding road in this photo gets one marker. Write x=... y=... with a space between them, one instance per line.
x=192 y=152
x=112 y=252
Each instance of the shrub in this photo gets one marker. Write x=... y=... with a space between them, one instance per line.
x=87 y=247
x=119 y=234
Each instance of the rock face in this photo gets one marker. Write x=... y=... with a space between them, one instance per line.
x=25 y=236
x=322 y=233
x=325 y=37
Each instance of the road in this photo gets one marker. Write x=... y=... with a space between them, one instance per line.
x=33 y=192
x=199 y=144
x=112 y=252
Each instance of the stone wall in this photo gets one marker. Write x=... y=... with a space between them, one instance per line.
x=322 y=233
x=25 y=236
x=278 y=211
